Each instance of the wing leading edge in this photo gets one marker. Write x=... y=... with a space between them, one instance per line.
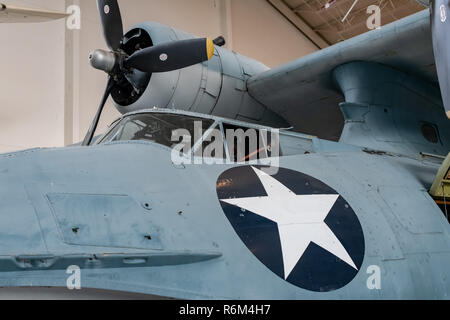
x=11 y=14
x=304 y=93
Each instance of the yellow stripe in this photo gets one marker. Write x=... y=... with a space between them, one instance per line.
x=209 y=48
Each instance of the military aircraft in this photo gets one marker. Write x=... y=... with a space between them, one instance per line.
x=13 y=14
x=356 y=208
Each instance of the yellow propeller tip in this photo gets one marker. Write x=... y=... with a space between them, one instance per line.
x=209 y=48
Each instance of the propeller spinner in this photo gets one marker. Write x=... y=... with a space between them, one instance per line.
x=164 y=57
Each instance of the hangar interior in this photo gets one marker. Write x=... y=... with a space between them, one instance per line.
x=329 y=211
x=50 y=92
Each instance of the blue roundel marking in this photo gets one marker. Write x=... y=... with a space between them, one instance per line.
x=317 y=269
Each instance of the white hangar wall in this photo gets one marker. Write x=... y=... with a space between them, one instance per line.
x=262 y=33
x=32 y=81
x=50 y=93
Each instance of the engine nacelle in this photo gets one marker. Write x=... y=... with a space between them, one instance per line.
x=217 y=86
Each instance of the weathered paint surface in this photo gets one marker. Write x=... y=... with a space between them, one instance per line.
x=182 y=244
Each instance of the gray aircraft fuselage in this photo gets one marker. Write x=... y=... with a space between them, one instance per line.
x=340 y=220
x=134 y=221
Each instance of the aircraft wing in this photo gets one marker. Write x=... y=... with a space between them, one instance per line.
x=11 y=14
x=303 y=92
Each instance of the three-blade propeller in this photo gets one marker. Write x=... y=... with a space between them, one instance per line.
x=440 y=27
x=160 y=58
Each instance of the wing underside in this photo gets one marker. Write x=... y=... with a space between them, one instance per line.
x=304 y=93
x=11 y=14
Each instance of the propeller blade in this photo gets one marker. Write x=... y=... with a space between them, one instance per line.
x=172 y=55
x=90 y=134
x=440 y=27
x=111 y=22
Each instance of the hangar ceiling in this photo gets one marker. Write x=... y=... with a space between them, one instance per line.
x=321 y=20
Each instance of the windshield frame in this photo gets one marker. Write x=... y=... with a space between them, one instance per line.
x=196 y=145
x=218 y=122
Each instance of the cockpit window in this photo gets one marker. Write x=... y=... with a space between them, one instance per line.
x=197 y=137
x=156 y=127
x=246 y=144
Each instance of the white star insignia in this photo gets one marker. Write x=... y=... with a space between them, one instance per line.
x=300 y=220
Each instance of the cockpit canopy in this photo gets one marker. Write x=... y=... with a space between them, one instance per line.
x=169 y=128
x=234 y=140
x=156 y=127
